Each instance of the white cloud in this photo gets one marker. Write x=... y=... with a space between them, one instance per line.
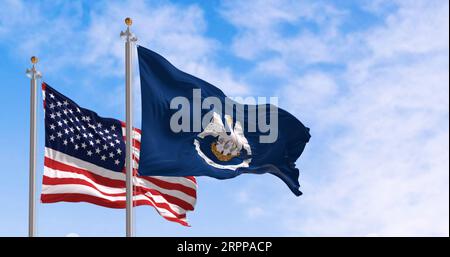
x=73 y=37
x=260 y=29
x=310 y=91
x=33 y=28
x=255 y=212
x=390 y=170
x=155 y=26
x=379 y=126
x=158 y=27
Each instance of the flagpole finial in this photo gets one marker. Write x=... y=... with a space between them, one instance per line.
x=128 y=21
x=127 y=35
x=34 y=59
x=32 y=72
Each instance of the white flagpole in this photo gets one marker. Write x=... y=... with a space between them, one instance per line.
x=129 y=40
x=34 y=75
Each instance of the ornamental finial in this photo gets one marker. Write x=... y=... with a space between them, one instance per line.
x=128 y=21
x=127 y=35
x=34 y=59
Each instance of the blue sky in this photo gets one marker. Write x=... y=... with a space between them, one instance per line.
x=370 y=78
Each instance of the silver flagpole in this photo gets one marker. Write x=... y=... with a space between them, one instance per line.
x=34 y=75
x=129 y=40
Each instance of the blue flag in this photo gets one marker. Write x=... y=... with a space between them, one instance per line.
x=191 y=128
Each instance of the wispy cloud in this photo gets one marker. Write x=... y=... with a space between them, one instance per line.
x=69 y=36
x=265 y=29
x=379 y=120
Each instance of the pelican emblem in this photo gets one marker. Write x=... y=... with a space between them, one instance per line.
x=227 y=146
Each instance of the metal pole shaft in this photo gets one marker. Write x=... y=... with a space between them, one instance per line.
x=129 y=136
x=129 y=40
x=32 y=159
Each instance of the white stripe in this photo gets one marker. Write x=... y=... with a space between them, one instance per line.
x=75 y=162
x=80 y=188
x=179 y=180
x=73 y=189
x=136 y=152
x=136 y=134
x=54 y=173
x=87 y=190
x=173 y=192
x=135 y=164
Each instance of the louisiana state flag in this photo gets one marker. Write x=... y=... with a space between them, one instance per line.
x=191 y=128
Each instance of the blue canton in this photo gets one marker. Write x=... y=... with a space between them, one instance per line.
x=81 y=133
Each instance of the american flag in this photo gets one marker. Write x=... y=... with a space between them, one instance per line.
x=84 y=162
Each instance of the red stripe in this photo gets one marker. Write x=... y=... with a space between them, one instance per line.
x=137 y=144
x=170 y=198
x=43 y=89
x=137 y=190
x=124 y=125
x=192 y=178
x=71 y=181
x=61 y=181
x=165 y=206
x=182 y=222
x=100 y=179
x=53 y=198
x=114 y=182
x=172 y=186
